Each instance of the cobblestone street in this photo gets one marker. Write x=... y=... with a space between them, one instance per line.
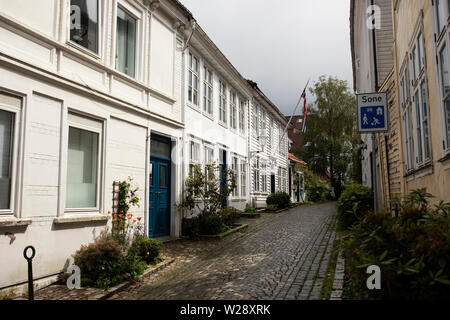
x=281 y=257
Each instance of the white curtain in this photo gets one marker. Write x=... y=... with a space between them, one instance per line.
x=82 y=169
x=6 y=133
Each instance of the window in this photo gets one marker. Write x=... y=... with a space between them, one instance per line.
x=207 y=91
x=279 y=179
x=264 y=177
x=126 y=43
x=193 y=81
x=440 y=16
x=223 y=103
x=421 y=122
x=256 y=176
x=235 y=168
x=84 y=23
x=445 y=84
x=6 y=156
x=194 y=157
x=243 y=178
x=406 y=119
x=233 y=111
x=255 y=121
x=209 y=160
x=83 y=163
x=241 y=115
x=263 y=123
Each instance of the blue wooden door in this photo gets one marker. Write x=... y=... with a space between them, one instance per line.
x=159 y=222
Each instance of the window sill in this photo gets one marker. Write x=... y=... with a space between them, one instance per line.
x=445 y=158
x=423 y=170
x=83 y=49
x=81 y=218
x=194 y=107
x=208 y=115
x=223 y=124
x=6 y=222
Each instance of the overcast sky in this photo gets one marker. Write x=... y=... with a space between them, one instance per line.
x=280 y=44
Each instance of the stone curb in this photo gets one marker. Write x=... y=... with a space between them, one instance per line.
x=103 y=295
x=227 y=233
x=338 y=283
x=251 y=215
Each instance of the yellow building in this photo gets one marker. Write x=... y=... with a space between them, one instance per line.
x=415 y=153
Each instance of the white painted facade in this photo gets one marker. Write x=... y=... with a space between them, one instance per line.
x=49 y=84
x=216 y=114
x=268 y=149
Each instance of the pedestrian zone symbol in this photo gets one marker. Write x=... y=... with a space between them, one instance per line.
x=372 y=112
x=373 y=117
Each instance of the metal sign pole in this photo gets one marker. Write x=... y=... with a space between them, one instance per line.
x=374 y=177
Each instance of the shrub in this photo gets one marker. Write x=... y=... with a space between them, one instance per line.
x=105 y=262
x=412 y=250
x=210 y=224
x=353 y=204
x=280 y=199
x=147 y=249
x=316 y=189
x=204 y=225
x=249 y=209
x=229 y=215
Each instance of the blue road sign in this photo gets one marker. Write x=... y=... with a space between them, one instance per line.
x=372 y=113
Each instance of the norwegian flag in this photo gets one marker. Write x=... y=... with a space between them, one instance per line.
x=305 y=111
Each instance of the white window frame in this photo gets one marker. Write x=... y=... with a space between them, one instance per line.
x=86 y=123
x=99 y=52
x=406 y=109
x=236 y=172
x=233 y=110
x=256 y=175
x=243 y=172
x=264 y=177
x=193 y=74
x=419 y=132
x=242 y=125
x=137 y=15
x=222 y=102
x=193 y=160
x=208 y=102
x=442 y=37
x=16 y=140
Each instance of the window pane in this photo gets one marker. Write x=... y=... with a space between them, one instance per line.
x=163 y=176
x=440 y=15
x=126 y=43
x=6 y=137
x=419 y=130
x=447 y=117
x=84 y=23
x=82 y=166
x=421 y=53
x=160 y=148
x=444 y=70
x=426 y=136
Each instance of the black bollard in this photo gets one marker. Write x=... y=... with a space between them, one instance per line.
x=30 y=271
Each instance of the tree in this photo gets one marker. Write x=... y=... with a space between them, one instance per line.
x=207 y=189
x=332 y=142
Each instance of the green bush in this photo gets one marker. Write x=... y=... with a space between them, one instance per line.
x=316 y=190
x=203 y=225
x=147 y=249
x=105 y=263
x=210 y=224
x=354 y=203
x=280 y=199
x=412 y=250
x=229 y=215
x=249 y=209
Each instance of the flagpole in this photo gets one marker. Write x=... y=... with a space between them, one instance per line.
x=293 y=114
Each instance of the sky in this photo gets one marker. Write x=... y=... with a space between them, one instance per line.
x=280 y=44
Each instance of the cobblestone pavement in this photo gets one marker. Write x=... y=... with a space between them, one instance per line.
x=280 y=257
